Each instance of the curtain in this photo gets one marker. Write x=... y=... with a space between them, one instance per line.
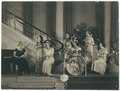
x=51 y=19
x=114 y=25
x=27 y=16
x=100 y=21
x=4 y=7
x=67 y=18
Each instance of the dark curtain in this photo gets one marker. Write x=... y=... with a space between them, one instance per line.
x=100 y=21
x=67 y=18
x=4 y=7
x=27 y=16
x=114 y=25
x=51 y=19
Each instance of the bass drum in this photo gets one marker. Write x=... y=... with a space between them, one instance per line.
x=76 y=66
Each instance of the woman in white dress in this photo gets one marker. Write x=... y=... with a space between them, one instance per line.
x=39 y=55
x=49 y=59
x=89 y=41
x=100 y=64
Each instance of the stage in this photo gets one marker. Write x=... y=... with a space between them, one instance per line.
x=91 y=81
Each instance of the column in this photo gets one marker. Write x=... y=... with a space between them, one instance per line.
x=59 y=21
x=107 y=25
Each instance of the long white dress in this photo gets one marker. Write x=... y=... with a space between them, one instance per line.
x=49 y=60
x=89 y=43
x=100 y=64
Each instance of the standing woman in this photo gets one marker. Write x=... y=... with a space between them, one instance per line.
x=22 y=64
x=89 y=41
x=67 y=46
x=49 y=59
x=39 y=55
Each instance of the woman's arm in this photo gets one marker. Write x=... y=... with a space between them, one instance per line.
x=64 y=43
x=52 y=53
x=37 y=45
x=14 y=55
x=102 y=53
x=92 y=41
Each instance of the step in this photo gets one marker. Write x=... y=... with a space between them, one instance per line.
x=90 y=85
x=98 y=82
x=36 y=79
x=94 y=79
x=32 y=85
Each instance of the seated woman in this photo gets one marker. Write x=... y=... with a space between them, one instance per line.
x=100 y=64
x=20 y=60
x=49 y=59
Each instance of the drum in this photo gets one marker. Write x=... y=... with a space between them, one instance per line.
x=64 y=77
x=76 y=65
x=72 y=68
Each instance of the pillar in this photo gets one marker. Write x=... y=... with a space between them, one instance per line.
x=107 y=26
x=59 y=21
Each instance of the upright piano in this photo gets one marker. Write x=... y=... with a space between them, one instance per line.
x=7 y=62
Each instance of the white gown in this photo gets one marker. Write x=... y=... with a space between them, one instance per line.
x=49 y=60
x=100 y=64
x=89 y=42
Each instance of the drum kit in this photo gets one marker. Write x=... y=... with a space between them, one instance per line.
x=75 y=66
x=75 y=62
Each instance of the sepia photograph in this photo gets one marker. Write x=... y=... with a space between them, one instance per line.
x=60 y=45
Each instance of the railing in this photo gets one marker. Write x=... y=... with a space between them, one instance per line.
x=28 y=29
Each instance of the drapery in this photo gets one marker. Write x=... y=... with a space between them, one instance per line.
x=51 y=18
x=114 y=26
x=67 y=18
x=100 y=21
x=27 y=16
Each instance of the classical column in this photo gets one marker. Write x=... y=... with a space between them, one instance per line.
x=59 y=21
x=107 y=26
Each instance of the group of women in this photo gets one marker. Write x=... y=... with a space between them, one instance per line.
x=43 y=62
x=45 y=55
x=98 y=65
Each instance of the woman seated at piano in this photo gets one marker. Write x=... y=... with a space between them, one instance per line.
x=20 y=61
x=100 y=64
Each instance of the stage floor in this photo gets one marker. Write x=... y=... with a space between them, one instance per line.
x=91 y=81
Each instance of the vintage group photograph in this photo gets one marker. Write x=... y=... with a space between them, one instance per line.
x=60 y=45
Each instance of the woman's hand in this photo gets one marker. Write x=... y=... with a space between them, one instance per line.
x=22 y=56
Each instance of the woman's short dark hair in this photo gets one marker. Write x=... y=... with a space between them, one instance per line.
x=49 y=42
